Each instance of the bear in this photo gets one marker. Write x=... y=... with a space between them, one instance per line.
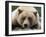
x=25 y=17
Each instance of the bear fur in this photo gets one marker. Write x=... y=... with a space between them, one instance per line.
x=25 y=17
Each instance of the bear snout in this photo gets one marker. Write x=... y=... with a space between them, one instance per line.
x=25 y=25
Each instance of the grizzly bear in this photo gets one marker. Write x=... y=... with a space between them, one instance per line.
x=25 y=17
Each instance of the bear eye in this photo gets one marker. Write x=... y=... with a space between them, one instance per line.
x=29 y=18
x=23 y=18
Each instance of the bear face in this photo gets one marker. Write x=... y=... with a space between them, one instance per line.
x=26 y=17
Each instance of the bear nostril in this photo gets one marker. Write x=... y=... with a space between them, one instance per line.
x=25 y=25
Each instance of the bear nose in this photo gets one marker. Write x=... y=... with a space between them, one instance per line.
x=25 y=25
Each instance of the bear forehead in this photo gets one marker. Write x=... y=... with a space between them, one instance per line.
x=27 y=14
x=27 y=8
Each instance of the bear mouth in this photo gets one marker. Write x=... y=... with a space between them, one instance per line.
x=18 y=26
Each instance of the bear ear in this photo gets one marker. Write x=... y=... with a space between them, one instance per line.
x=20 y=11
x=35 y=13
